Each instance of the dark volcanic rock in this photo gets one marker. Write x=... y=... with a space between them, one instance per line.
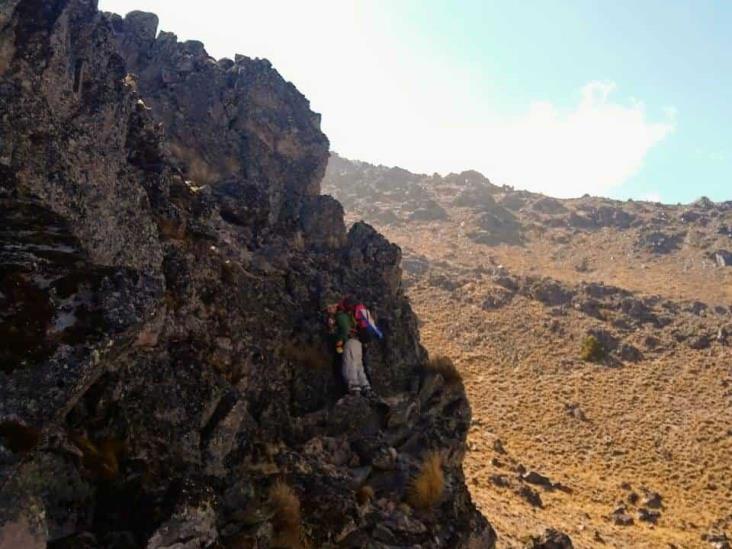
x=164 y=260
x=645 y=515
x=620 y=517
x=513 y=201
x=548 y=205
x=531 y=496
x=698 y=342
x=723 y=258
x=224 y=121
x=532 y=477
x=550 y=539
x=429 y=211
x=496 y=298
x=608 y=216
x=660 y=243
x=477 y=198
x=496 y=226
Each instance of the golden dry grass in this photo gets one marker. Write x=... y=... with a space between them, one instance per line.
x=428 y=485
x=287 y=519
x=364 y=494
x=661 y=423
x=446 y=368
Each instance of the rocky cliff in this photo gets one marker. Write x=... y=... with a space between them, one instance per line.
x=165 y=256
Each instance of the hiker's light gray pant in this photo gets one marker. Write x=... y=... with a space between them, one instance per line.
x=353 y=371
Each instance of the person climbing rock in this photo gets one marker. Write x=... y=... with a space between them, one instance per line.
x=349 y=345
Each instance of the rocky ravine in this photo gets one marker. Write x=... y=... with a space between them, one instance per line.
x=164 y=255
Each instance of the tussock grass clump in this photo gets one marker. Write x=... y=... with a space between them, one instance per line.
x=428 y=485
x=446 y=368
x=310 y=356
x=287 y=519
x=364 y=494
x=592 y=350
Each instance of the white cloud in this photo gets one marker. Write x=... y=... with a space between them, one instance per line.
x=596 y=146
x=387 y=97
x=592 y=148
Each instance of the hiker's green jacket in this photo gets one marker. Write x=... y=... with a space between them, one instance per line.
x=345 y=325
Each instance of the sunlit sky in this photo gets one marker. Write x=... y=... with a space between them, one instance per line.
x=625 y=98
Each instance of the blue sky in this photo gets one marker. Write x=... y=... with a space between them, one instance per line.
x=620 y=98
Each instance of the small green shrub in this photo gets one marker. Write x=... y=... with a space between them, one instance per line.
x=592 y=350
x=446 y=368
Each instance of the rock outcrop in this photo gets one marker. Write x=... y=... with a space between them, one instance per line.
x=165 y=256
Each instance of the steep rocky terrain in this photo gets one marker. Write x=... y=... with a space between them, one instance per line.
x=165 y=255
x=593 y=339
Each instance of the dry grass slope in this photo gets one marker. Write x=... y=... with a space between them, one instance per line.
x=653 y=408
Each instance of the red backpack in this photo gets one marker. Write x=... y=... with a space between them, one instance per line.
x=365 y=323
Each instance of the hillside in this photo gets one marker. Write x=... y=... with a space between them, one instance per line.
x=630 y=448
x=166 y=379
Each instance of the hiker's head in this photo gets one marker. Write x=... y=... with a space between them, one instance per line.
x=348 y=303
x=332 y=308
